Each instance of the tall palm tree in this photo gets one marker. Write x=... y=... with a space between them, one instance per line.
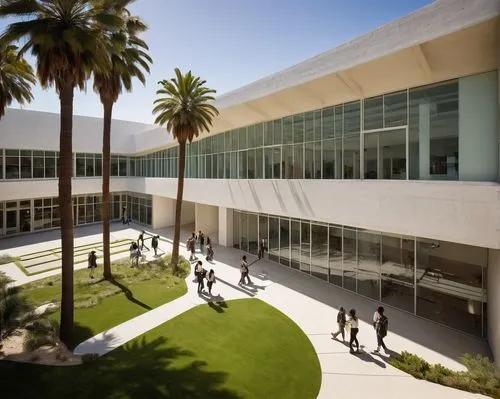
x=128 y=60
x=16 y=77
x=65 y=37
x=185 y=108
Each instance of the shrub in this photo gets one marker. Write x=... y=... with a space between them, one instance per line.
x=481 y=375
x=4 y=259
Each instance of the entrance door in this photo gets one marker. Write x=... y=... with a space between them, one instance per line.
x=385 y=154
x=11 y=221
x=25 y=220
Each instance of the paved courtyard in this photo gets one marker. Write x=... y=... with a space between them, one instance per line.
x=310 y=302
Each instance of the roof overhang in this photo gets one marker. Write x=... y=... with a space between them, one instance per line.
x=445 y=40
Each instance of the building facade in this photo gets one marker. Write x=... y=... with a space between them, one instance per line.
x=374 y=167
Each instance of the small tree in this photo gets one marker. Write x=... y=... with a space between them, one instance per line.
x=184 y=106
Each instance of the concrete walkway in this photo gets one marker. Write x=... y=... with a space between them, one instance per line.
x=313 y=304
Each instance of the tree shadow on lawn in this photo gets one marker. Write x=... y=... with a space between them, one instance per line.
x=129 y=294
x=139 y=369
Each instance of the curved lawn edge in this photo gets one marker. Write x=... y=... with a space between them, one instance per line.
x=263 y=351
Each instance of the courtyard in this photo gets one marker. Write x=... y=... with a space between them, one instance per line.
x=277 y=329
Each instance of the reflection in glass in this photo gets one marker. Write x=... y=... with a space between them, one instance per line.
x=449 y=284
x=350 y=259
x=305 y=248
x=298 y=161
x=295 y=244
x=236 y=229
x=285 y=242
x=244 y=231
x=287 y=158
x=385 y=155
x=369 y=264
x=263 y=227
x=335 y=266
x=351 y=157
x=253 y=239
x=319 y=251
x=274 y=239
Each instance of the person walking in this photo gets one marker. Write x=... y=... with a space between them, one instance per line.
x=201 y=241
x=210 y=252
x=262 y=248
x=244 y=271
x=190 y=245
x=354 y=329
x=92 y=263
x=141 y=240
x=154 y=244
x=135 y=254
x=201 y=276
x=341 y=321
x=124 y=220
x=210 y=280
x=381 y=327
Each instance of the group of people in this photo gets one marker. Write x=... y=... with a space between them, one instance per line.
x=136 y=247
x=351 y=323
x=200 y=240
x=201 y=274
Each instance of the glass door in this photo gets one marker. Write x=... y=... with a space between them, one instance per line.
x=386 y=154
x=11 y=221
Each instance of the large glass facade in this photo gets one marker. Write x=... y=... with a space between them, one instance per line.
x=43 y=213
x=438 y=280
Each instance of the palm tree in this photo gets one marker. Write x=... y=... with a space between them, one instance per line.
x=185 y=108
x=16 y=77
x=128 y=60
x=65 y=37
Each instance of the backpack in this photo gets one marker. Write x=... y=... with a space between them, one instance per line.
x=341 y=318
x=383 y=326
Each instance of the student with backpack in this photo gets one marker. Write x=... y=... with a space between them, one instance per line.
x=92 y=263
x=381 y=325
x=341 y=321
x=154 y=244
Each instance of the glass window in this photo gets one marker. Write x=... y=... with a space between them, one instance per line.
x=298 y=161
x=351 y=157
x=328 y=123
x=114 y=166
x=220 y=166
x=373 y=109
x=80 y=165
x=319 y=251
x=434 y=132
x=259 y=163
x=309 y=165
x=277 y=132
x=243 y=164
x=305 y=247
x=329 y=159
x=244 y=231
x=251 y=164
x=243 y=138
x=309 y=127
x=234 y=165
x=285 y=242
x=1 y=177
x=295 y=244
x=38 y=165
x=122 y=162
x=369 y=264
x=288 y=130
x=287 y=156
x=11 y=164
x=397 y=268
x=317 y=126
x=335 y=255
x=339 y=120
x=259 y=134
x=251 y=136
x=395 y=109
x=26 y=172
x=298 y=128
x=350 y=259
x=274 y=240
x=268 y=133
x=263 y=227
x=89 y=165
x=234 y=140
x=253 y=236
x=50 y=164
x=352 y=118
x=450 y=284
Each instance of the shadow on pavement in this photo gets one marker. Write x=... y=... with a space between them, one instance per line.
x=139 y=369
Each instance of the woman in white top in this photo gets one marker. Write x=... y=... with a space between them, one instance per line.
x=353 y=322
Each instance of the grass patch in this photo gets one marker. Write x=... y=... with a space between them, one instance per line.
x=243 y=349
x=101 y=304
x=480 y=377
x=5 y=259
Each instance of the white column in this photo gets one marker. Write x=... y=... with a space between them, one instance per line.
x=493 y=271
x=163 y=212
x=207 y=220
x=225 y=227
x=424 y=138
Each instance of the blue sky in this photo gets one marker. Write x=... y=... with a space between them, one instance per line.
x=231 y=43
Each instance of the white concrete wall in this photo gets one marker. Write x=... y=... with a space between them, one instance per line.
x=478 y=127
x=188 y=212
x=494 y=303
x=462 y=212
x=207 y=220
x=163 y=212
x=225 y=227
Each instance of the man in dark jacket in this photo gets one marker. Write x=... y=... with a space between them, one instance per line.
x=341 y=320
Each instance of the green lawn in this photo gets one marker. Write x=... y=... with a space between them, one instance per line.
x=237 y=349
x=100 y=304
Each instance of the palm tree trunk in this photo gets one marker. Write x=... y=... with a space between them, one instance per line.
x=178 y=204
x=106 y=157
x=66 y=211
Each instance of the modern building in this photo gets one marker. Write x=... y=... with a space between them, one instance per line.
x=373 y=166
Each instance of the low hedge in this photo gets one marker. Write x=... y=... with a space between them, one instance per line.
x=481 y=375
